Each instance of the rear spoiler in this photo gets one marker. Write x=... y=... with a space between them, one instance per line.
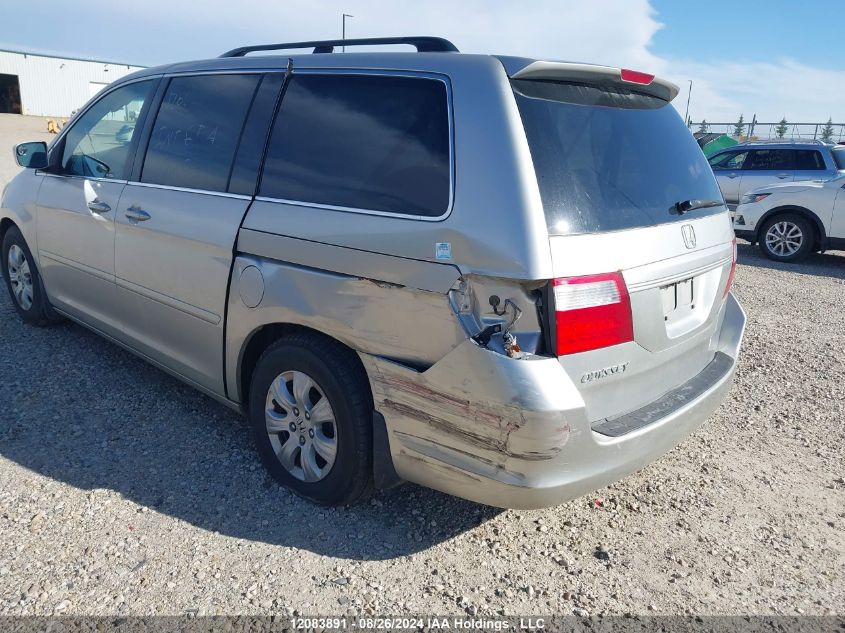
x=607 y=75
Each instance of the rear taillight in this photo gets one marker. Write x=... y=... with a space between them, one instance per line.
x=591 y=312
x=733 y=270
x=636 y=77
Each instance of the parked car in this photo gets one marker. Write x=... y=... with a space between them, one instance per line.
x=759 y=163
x=838 y=153
x=790 y=221
x=504 y=278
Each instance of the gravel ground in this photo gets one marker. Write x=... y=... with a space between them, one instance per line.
x=124 y=492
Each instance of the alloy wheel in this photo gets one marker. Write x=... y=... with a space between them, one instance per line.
x=301 y=425
x=20 y=277
x=784 y=238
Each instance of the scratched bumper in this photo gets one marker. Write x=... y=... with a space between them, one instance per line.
x=514 y=433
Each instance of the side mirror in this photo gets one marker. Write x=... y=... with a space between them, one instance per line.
x=32 y=155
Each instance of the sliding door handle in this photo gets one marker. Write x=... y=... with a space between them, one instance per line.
x=98 y=207
x=136 y=214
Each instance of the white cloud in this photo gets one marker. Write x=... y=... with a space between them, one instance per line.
x=611 y=31
x=614 y=32
x=723 y=90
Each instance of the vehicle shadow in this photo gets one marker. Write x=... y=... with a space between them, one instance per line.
x=85 y=412
x=830 y=264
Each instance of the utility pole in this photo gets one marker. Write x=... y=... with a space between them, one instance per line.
x=689 y=96
x=345 y=15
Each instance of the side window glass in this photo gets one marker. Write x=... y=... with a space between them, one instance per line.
x=197 y=129
x=732 y=160
x=808 y=159
x=769 y=159
x=369 y=142
x=99 y=145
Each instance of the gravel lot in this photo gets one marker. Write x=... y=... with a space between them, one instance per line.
x=124 y=492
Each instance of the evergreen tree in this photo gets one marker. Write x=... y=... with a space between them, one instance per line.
x=703 y=127
x=739 y=126
x=827 y=131
x=782 y=128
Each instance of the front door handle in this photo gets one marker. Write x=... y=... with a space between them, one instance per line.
x=99 y=207
x=136 y=214
x=782 y=176
x=732 y=176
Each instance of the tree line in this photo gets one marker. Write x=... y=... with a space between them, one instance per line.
x=781 y=128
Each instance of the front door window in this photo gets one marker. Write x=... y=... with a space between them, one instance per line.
x=100 y=143
x=728 y=162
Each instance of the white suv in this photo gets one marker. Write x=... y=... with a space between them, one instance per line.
x=793 y=219
x=754 y=164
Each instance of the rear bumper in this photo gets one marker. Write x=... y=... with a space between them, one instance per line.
x=514 y=433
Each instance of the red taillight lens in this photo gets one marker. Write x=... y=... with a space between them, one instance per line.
x=592 y=312
x=733 y=270
x=636 y=77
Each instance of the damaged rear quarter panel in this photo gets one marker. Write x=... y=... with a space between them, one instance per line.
x=451 y=406
x=410 y=325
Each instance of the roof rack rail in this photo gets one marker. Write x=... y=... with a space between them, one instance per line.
x=423 y=44
x=776 y=141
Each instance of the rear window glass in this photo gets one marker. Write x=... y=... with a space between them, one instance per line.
x=609 y=159
x=769 y=159
x=370 y=142
x=808 y=159
x=197 y=130
x=839 y=157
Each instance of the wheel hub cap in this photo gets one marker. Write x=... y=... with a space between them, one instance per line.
x=301 y=426
x=784 y=238
x=20 y=277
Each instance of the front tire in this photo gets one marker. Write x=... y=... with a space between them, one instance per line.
x=311 y=411
x=787 y=238
x=23 y=281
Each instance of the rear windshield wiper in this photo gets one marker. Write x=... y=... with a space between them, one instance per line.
x=685 y=206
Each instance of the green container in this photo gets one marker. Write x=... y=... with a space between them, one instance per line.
x=712 y=143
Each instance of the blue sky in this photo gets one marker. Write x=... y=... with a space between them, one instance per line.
x=772 y=58
x=753 y=30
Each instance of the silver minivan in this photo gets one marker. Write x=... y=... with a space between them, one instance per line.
x=504 y=278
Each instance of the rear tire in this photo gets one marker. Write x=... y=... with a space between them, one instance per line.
x=23 y=281
x=787 y=237
x=311 y=413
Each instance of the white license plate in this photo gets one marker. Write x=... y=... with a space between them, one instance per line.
x=678 y=296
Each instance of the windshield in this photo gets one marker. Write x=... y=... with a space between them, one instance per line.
x=609 y=158
x=839 y=157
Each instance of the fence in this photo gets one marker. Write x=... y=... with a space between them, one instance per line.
x=759 y=130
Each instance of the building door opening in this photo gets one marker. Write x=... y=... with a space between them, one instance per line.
x=10 y=95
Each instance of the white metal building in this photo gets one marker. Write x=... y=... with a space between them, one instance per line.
x=44 y=85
